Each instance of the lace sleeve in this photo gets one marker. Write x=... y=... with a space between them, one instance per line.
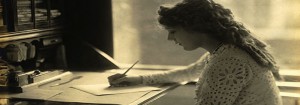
x=224 y=80
x=188 y=73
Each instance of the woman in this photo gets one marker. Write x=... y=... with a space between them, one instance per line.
x=236 y=70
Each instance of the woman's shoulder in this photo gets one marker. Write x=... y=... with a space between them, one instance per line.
x=232 y=51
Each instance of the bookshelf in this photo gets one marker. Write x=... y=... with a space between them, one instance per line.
x=27 y=25
x=32 y=21
x=22 y=15
x=3 y=27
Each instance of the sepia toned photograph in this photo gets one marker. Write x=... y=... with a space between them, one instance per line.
x=149 y=52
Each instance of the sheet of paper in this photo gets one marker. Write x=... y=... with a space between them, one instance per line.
x=104 y=89
x=41 y=94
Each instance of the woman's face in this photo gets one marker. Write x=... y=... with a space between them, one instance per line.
x=189 y=40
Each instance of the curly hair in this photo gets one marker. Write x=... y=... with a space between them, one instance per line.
x=206 y=16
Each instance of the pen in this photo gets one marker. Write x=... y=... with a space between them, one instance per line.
x=129 y=69
x=77 y=77
x=124 y=74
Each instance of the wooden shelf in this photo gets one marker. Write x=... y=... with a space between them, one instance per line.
x=28 y=35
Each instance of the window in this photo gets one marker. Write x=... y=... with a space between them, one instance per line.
x=137 y=35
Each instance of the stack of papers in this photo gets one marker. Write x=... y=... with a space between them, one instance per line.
x=105 y=89
x=41 y=94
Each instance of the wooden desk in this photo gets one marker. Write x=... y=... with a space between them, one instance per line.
x=73 y=96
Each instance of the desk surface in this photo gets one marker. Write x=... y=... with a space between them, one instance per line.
x=71 y=95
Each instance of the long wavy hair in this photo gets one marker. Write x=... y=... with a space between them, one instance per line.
x=206 y=16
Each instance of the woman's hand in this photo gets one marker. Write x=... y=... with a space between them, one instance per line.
x=121 y=80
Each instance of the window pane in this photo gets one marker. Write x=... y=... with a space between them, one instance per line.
x=137 y=35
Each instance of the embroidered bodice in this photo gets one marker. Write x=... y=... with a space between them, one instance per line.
x=230 y=76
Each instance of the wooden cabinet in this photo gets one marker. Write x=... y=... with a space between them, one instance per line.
x=76 y=21
x=3 y=27
x=25 y=26
x=20 y=15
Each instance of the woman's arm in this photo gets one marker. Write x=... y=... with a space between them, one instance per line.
x=188 y=73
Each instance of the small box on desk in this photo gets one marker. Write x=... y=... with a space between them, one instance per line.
x=30 y=80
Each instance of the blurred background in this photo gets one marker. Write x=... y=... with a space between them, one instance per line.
x=137 y=35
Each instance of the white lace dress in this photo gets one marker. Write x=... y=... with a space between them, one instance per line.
x=230 y=76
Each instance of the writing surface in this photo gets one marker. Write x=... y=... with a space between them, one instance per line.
x=105 y=89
